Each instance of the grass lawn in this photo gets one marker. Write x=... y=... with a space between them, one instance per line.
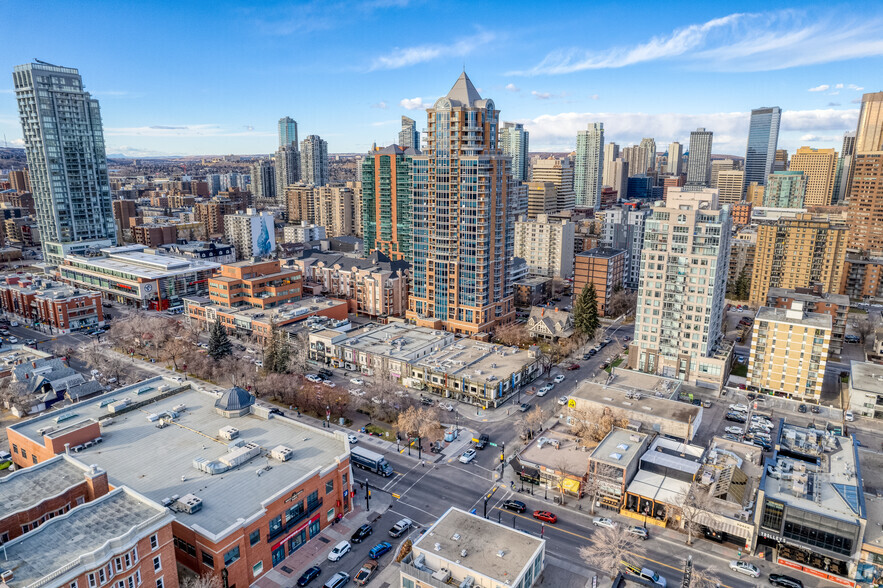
x=854 y=310
x=615 y=363
x=739 y=369
x=379 y=431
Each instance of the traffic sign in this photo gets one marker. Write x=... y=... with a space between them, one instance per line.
x=492 y=444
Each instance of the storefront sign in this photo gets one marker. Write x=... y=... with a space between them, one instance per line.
x=294 y=496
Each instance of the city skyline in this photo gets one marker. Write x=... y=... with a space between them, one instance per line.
x=708 y=68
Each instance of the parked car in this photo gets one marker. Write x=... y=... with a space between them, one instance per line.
x=816 y=409
x=361 y=533
x=467 y=456
x=30 y=341
x=400 y=527
x=327 y=383
x=13 y=324
x=515 y=505
x=640 y=532
x=605 y=365
x=735 y=417
x=801 y=408
x=739 y=408
x=545 y=515
x=524 y=407
x=743 y=567
x=339 y=551
x=544 y=390
x=357 y=381
x=337 y=580
x=785 y=581
x=563 y=401
x=365 y=573
x=604 y=522
x=848 y=416
x=733 y=430
x=573 y=367
x=313 y=378
x=379 y=550
x=559 y=378
x=309 y=575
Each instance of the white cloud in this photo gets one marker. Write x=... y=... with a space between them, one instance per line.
x=594 y=96
x=404 y=57
x=513 y=88
x=381 y=105
x=541 y=95
x=839 y=86
x=854 y=87
x=414 y=103
x=557 y=132
x=820 y=88
x=130 y=151
x=809 y=137
x=736 y=42
x=677 y=43
x=383 y=123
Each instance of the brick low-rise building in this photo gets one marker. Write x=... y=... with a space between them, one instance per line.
x=198 y=456
x=604 y=268
x=863 y=278
x=51 y=304
x=154 y=235
x=261 y=284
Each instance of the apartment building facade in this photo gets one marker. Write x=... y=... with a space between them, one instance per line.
x=44 y=303
x=546 y=246
x=264 y=284
x=604 y=268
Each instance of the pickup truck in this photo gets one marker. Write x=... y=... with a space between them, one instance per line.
x=365 y=572
x=400 y=527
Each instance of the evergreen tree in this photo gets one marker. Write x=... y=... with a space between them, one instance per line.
x=271 y=350
x=277 y=353
x=585 y=312
x=743 y=285
x=218 y=342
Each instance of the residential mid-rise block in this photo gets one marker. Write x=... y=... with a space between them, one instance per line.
x=623 y=228
x=718 y=166
x=314 y=161
x=386 y=201
x=684 y=267
x=602 y=267
x=263 y=181
x=546 y=246
x=729 y=185
x=797 y=251
x=303 y=232
x=865 y=203
x=252 y=233
x=819 y=166
x=67 y=162
x=256 y=284
x=559 y=172
x=785 y=189
x=542 y=198
x=814 y=300
x=462 y=218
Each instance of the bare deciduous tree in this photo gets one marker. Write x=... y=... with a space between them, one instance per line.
x=704 y=578
x=513 y=334
x=863 y=327
x=691 y=506
x=622 y=302
x=591 y=425
x=203 y=581
x=610 y=547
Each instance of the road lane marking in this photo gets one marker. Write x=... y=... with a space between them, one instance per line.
x=644 y=557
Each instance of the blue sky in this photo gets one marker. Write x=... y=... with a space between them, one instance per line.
x=214 y=77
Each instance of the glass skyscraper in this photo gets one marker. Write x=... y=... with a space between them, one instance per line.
x=64 y=144
x=589 y=165
x=763 y=135
x=386 y=201
x=287 y=132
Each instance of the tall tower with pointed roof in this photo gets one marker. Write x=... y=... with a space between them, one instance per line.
x=462 y=225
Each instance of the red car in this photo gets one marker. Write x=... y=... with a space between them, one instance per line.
x=545 y=515
x=573 y=366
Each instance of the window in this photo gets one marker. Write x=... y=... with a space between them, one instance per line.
x=33 y=458
x=407 y=583
x=154 y=542
x=92 y=582
x=138 y=577
x=275 y=526
x=14 y=448
x=157 y=564
x=24 y=453
x=73 y=584
x=128 y=560
x=208 y=559
x=118 y=564
x=81 y=500
x=231 y=556
x=254 y=537
x=159 y=583
x=102 y=578
x=329 y=486
x=330 y=514
x=257 y=569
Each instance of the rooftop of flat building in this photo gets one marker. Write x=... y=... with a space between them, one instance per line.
x=816 y=471
x=620 y=447
x=492 y=550
x=794 y=317
x=134 y=260
x=27 y=487
x=640 y=393
x=602 y=252
x=477 y=361
x=159 y=462
x=808 y=295
x=866 y=377
x=535 y=281
x=556 y=448
x=398 y=340
x=281 y=313
x=83 y=534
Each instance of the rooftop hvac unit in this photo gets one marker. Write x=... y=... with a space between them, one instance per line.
x=467 y=582
x=240 y=455
x=180 y=408
x=443 y=575
x=212 y=468
x=228 y=433
x=189 y=503
x=282 y=453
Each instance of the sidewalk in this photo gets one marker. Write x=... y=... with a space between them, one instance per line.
x=315 y=551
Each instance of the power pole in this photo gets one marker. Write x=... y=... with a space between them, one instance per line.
x=367 y=494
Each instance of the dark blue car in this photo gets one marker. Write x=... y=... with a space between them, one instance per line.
x=309 y=575
x=378 y=550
